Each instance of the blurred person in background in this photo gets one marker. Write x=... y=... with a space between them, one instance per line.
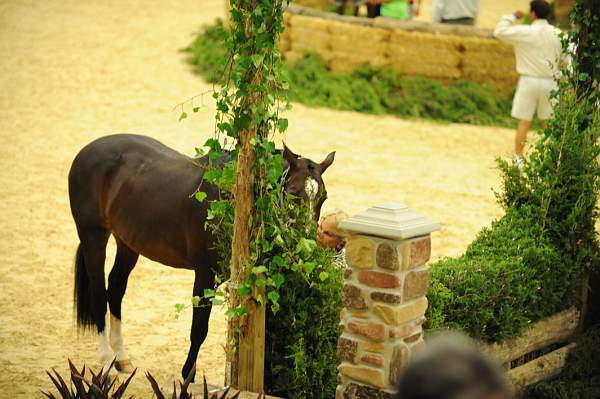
x=538 y=52
x=462 y=12
x=451 y=367
x=398 y=9
x=341 y=6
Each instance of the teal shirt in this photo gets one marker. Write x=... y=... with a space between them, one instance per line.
x=399 y=9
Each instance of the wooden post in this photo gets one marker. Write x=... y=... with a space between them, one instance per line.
x=245 y=358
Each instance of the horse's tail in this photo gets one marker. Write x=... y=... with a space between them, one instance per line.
x=82 y=295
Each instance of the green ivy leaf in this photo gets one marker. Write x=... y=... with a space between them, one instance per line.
x=278 y=280
x=308 y=267
x=245 y=290
x=195 y=301
x=200 y=196
x=282 y=125
x=273 y=296
x=323 y=276
x=259 y=269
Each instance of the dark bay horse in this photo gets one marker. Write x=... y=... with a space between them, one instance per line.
x=141 y=192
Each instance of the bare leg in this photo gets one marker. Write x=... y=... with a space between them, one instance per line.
x=521 y=136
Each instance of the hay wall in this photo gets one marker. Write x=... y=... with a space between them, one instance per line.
x=443 y=52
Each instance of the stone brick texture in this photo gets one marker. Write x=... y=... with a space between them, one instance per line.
x=347 y=350
x=379 y=280
x=387 y=256
x=371 y=359
x=359 y=253
x=352 y=297
x=416 y=284
x=368 y=329
x=407 y=329
x=359 y=391
x=367 y=375
x=396 y=315
x=420 y=251
x=386 y=297
x=398 y=363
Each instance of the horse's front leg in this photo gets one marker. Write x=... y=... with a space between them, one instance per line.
x=203 y=279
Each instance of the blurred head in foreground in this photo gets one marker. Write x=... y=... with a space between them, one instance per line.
x=330 y=235
x=451 y=367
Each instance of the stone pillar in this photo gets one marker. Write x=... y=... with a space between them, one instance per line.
x=384 y=298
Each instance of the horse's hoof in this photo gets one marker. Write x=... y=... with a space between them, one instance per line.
x=124 y=366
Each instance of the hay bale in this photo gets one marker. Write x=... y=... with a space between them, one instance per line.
x=425 y=40
x=424 y=55
x=344 y=63
x=318 y=4
x=284 y=44
x=313 y=24
x=488 y=61
x=348 y=62
x=292 y=56
x=364 y=47
x=489 y=45
x=309 y=40
x=358 y=33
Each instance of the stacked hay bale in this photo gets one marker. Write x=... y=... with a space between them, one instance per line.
x=346 y=42
x=352 y=45
x=431 y=55
x=486 y=60
x=318 y=4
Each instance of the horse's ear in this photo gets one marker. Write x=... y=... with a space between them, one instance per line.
x=289 y=158
x=327 y=162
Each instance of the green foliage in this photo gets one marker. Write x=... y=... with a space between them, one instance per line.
x=580 y=377
x=510 y=275
x=562 y=180
x=529 y=264
x=368 y=89
x=287 y=269
x=300 y=357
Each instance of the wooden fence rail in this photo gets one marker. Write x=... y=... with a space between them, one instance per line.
x=555 y=330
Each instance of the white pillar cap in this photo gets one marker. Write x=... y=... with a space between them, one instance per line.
x=391 y=220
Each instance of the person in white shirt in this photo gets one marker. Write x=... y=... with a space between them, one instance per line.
x=455 y=11
x=538 y=52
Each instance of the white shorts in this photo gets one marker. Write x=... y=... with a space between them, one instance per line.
x=533 y=94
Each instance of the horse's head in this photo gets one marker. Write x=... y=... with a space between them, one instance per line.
x=303 y=179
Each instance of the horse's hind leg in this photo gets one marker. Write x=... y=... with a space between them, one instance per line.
x=93 y=247
x=117 y=284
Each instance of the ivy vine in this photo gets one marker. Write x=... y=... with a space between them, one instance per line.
x=252 y=94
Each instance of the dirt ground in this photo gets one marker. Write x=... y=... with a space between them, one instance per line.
x=72 y=71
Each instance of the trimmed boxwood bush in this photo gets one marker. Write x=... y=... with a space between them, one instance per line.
x=510 y=275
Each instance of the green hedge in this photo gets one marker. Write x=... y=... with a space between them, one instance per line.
x=510 y=275
x=367 y=89
x=529 y=264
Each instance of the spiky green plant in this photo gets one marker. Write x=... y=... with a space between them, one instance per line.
x=100 y=386
x=183 y=391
